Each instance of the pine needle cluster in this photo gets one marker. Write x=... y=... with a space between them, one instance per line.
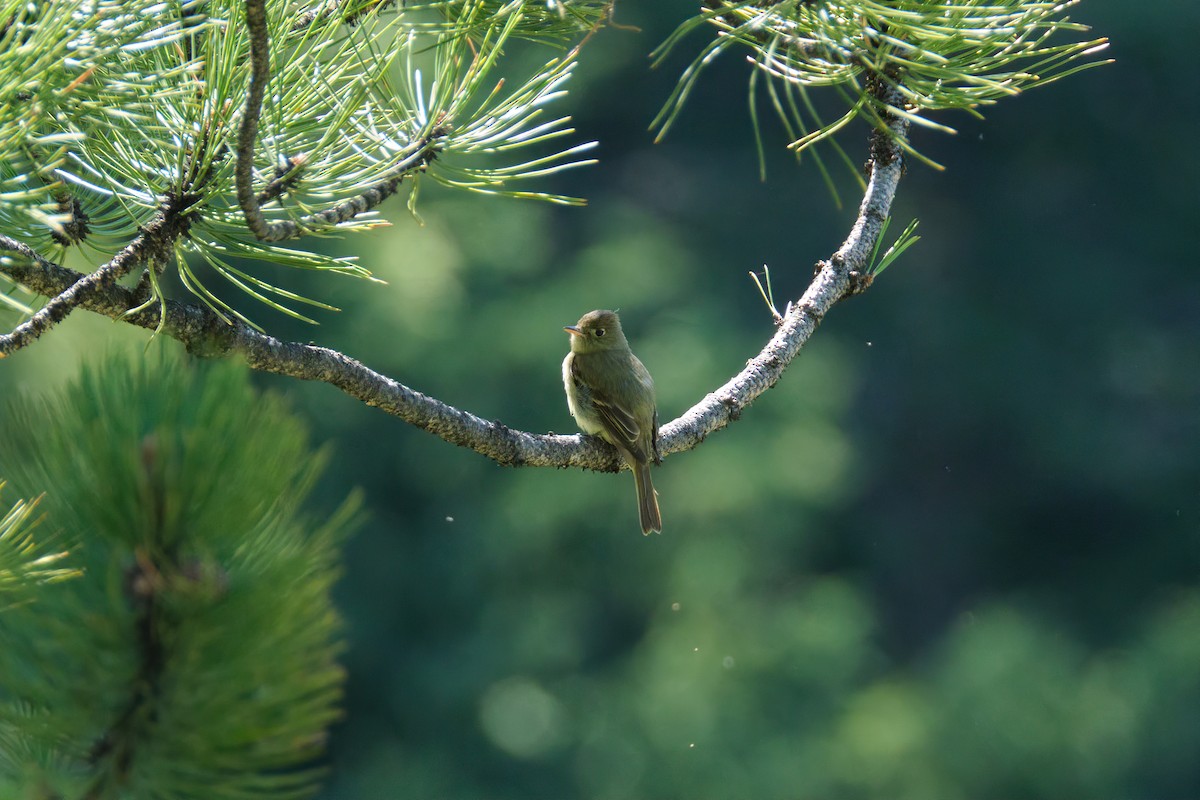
x=115 y=111
x=935 y=55
x=194 y=656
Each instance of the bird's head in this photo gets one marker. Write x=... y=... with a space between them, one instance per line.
x=596 y=331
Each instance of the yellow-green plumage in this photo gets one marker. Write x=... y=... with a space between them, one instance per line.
x=611 y=395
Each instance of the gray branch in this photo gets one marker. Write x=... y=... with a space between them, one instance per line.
x=152 y=243
x=842 y=275
x=205 y=334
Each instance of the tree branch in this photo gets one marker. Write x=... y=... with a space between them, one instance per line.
x=842 y=275
x=206 y=334
x=153 y=243
x=421 y=152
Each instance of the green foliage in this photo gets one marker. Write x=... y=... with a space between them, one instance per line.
x=112 y=109
x=81 y=85
x=483 y=118
x=24 y=560
x=936 y=55
x=550 y=21
x=9 y=302
x=195 y=656
x=907 y=238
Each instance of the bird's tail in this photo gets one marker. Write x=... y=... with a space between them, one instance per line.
x=647 y=499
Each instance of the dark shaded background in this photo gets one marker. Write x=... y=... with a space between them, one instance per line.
x=952 y=555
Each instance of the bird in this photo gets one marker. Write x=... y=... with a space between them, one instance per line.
x=611 y=395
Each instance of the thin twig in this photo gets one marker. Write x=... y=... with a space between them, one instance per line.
x=151 y=244
x=260 y=74
x=421 y=152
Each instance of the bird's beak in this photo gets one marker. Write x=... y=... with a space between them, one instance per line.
x=573 y=329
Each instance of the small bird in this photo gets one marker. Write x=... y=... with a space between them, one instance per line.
x=611 y=395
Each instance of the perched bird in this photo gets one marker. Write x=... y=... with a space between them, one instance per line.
x=611 y=395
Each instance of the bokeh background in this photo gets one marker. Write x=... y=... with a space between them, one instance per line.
x=954 y=554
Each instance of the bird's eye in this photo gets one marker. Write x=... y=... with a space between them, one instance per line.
x=599 y=332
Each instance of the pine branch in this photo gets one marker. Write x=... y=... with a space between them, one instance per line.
x=152 y=245
x=260 y=76
x=129 y=680
x=103 y=125
x=844 y=274
x=206 y=334
x=25 y=561
x=953 y=55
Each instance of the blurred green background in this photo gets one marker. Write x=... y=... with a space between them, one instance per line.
x=954 y=554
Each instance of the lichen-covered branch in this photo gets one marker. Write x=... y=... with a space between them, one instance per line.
x=842 y=275
x=207 y=335
x=151 y=245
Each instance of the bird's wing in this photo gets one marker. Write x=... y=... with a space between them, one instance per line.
x=618 y=423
